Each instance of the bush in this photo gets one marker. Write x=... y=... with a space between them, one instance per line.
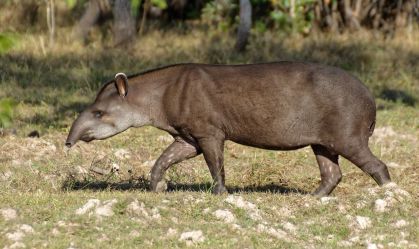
x=7 y=41
x=6 y=112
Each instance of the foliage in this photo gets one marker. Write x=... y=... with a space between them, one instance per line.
x=161 y=4
x=281 y=15
x=6 y=112
x=217 y=14
x=285 y=16
x=292 y=18
x=7 y=41
x=71 y=3
x=135 y=5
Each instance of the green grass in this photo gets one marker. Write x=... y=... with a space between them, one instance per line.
x=45 y=183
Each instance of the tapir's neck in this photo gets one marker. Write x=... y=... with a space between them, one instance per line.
x=146 y=95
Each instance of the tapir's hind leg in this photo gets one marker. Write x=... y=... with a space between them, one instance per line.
x=329 y=170
x=367 y=162
x=178 y=151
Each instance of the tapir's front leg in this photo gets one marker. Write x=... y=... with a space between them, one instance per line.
x=178 y=151
x=213 y=149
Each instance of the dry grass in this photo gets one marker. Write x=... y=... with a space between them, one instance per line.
x=46 y=183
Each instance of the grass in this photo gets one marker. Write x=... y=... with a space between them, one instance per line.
x=46 y=183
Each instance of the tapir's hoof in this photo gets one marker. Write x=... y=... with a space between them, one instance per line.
x=320 y=193
x=161 y=186
x=219 y=190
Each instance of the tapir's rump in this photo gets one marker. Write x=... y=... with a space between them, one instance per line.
x=279 y=106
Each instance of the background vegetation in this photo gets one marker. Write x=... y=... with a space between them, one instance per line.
x=49 y=73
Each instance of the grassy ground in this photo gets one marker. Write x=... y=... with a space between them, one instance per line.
x=48 y=186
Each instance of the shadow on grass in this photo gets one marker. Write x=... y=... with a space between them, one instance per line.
x=398 y=96
x=207 y=187
x=143 y=185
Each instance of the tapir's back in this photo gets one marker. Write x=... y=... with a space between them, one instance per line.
x=275 y=105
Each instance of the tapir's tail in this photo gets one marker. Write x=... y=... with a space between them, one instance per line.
x=371 y=128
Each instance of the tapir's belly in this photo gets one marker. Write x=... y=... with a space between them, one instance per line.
x=277 y=131
x=270 y=145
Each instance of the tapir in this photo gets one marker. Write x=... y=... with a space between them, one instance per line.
x=275 y=106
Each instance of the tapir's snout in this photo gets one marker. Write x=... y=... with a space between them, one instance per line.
x=68 y=144
x=71 y=139
x=77 y=132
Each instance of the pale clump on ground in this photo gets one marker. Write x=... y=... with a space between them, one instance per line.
x=122 y=154
x=399 y=193
x=8 y=213
x=15 y=236
x=236 y=227
x=363 y=222
x=380 y=205
x=328 y=199
x=90 y=204
x=374 y=246
x=18 y=235
x=277 y=233
x=26 y=228
x=100 y=209
x=106 y=208
x=256 y=215
x=391 y=195
x=350 y=241
x=136 y=208
x=400 y=223
x=134 y=233
x=6 y=175
x=344 y=243
x=289 y=227
x=251 y=208
x=171 y=232
x=16 y=244
x=224 y=215
x=192 y=237
x=55 y=231
x=284 y=211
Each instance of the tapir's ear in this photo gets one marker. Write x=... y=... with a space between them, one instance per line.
x=121 y=82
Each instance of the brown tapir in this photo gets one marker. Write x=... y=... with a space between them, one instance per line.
x=276 y=106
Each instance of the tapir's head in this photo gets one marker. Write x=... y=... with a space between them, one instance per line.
x=111 y=113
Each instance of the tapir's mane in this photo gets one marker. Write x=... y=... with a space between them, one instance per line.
x=104 y=86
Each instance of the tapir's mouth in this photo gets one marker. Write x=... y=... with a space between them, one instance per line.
x=84 y=138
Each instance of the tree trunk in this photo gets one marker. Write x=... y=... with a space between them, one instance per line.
x=348 y=18
x=88 y=20
x=244 y=25
x=326 y=20
x=124 y=23
x=51 y=21
x=146 y=7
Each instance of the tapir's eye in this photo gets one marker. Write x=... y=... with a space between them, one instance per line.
x=98 y=114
